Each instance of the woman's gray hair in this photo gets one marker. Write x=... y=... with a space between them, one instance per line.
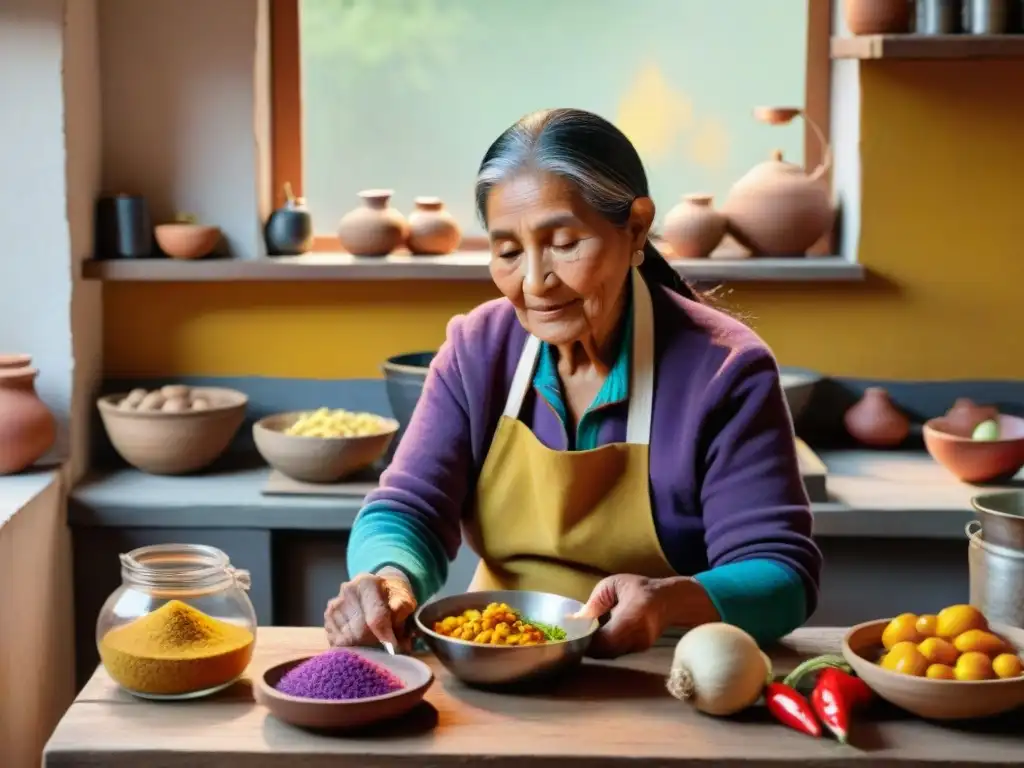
x=594 y=156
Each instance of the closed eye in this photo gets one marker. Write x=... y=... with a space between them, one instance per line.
x=565 y=248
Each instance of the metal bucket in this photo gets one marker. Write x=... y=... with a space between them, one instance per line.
x=1002 y=517
x=996 y=577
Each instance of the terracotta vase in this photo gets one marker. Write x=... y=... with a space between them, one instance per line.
x=375 y=228
x=965 y=415
x=875 y=421
x=15 y=361
x=778 y=209
x=694 y=228
x=27 y=428
x=432 y=230
x=877 y=17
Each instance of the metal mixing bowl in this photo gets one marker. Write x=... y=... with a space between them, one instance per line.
x=503 y=665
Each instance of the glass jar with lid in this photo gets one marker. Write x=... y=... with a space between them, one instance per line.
x=180 y=626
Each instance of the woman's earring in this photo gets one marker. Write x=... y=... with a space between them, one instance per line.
x=638 y=258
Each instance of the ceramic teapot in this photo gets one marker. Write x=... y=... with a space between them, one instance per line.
x=777 y=209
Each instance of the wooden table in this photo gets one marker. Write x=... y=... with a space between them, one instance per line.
x=608 y=714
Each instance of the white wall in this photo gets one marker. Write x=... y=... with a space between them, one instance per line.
x=179 y=111
x=50 y=166
x=35 y=269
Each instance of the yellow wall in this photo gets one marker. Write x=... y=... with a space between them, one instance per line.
x=942 y=233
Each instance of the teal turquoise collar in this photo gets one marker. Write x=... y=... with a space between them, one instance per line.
x=614 y=390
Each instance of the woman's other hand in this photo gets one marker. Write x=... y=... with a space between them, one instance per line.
x=370 y=609
x=642 y=609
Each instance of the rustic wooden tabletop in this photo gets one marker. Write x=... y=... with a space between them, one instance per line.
x=607 y=714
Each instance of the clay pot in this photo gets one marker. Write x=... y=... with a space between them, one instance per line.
x=877 y=17
x=432 y=230
x=875 y=421
x=693 y=228
x=778 y=210
x=27 y=428
x=965 y=415
x=375 y=228
x=187 y=241
x=15 y=361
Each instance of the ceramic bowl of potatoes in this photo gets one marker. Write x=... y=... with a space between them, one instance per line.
x=173 y=430
x=325 y=445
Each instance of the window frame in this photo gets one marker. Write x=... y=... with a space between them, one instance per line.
x=286 y=109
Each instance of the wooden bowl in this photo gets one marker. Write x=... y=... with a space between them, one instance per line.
x=187 y=241
x=331 y=715
x=318 y=459
x=977 y=461
x=174 y=443
x=933 y=699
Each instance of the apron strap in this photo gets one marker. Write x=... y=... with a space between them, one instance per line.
x=641 y=386
x=523 y=377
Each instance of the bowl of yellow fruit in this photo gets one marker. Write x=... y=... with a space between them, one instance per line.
x=494 y=638
x=325 y=445
x=953 y=665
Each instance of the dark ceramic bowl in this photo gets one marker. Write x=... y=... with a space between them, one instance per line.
x=403 y=378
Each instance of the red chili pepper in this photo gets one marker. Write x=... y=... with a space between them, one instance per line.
x=835 y=696
x=790 y=707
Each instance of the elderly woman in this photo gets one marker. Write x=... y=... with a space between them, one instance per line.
x=599 y=432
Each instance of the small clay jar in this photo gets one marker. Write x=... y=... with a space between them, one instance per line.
x=965 y=415
x=694 y=228
x=875 y=421
x=14 y=361
x=27 y=428
x=877 y=17
x=375 y=228
x=432 y=230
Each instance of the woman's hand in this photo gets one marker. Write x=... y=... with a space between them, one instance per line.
x=370 y=609
x=642 y=609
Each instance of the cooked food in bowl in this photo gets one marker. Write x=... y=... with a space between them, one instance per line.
x=497 y=624
x=328 y=423
x=564 y=640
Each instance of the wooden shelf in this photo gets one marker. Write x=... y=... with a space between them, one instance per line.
x=928 y=47
x=463 y=266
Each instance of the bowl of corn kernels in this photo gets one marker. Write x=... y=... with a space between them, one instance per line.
x=325 y=445
x=504 y=637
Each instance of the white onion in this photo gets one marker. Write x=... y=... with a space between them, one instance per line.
x=719 y=669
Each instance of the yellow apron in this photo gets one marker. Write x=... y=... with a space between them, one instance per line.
x=560 y=521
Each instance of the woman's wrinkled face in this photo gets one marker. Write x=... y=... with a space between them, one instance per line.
x=561 y=264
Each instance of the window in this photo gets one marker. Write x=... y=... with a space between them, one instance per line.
x=408 y=94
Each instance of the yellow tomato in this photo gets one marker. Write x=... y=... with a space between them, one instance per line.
x=957 y=619
x=1007 y=665
x=926 y=624
x=905 y=659
x=981 y=641
x=938 y=651
x=973 y=665
x=940 y=672
x=899 y=630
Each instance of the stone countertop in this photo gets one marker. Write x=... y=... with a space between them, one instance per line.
x=873 y=494
x=606 y=714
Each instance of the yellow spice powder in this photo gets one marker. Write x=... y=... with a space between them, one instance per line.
x=175 y=650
